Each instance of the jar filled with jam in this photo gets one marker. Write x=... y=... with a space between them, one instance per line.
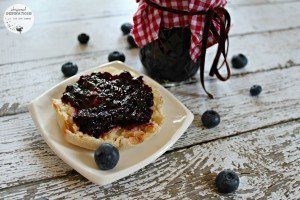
x=174 y=34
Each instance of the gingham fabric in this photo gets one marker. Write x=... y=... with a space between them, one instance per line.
x=148 y=20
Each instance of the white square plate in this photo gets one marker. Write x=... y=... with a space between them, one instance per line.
x=177 y=120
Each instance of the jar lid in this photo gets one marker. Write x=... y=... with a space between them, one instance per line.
x=149 y=19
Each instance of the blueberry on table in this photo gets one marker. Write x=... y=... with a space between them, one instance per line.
x=255 y=90
x=116 y=55
x=126 y=28
x=131 y=41
x=239 y=61
x=106 y=156
x=227 y=181
x=69 y=69
x=83 y=38
x=210 y=119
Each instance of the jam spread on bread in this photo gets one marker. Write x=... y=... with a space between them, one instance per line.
x=103 y=101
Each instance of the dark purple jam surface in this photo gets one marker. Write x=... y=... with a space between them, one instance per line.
x=103 y=101
x=168 y=57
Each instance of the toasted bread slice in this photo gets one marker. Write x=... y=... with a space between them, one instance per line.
x=119 y=137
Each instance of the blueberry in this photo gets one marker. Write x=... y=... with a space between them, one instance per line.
x=255 y=90
x=210 y=119
x=116 y=55
x=131 y=41
x=106 y=156
x=69 y=69
x=227 y=181
x=239 y=61
x=126 y=28
x=83 y=38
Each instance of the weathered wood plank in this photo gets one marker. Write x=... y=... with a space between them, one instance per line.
x=56 y=11
x=258 y=2
x=274 y=159
x=270 y=50
x=19 y=138
x=59 y=39
x=26 y=157
x=250 y=19
x=267 y=162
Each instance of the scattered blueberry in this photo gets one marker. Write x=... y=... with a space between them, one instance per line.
x=131 y=41
x=116 y=55
x=255 y=90
x=69 y=69
x=126 y=28
x=210 y=119
x=227 y=181
x=106 y=156
x=83 y=38
x=239 y=61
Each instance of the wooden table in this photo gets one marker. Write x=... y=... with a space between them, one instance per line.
x=259 y=138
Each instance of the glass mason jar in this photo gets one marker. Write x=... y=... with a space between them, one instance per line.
x=168 y=57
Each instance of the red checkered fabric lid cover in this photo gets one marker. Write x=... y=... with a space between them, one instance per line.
x=148 y=20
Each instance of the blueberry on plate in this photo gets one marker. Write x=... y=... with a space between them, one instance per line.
x=106 y=156
x=69 y=69
x=116 y=55
x=131 y=41
x=227 y=181
x=210 y=119
x=255 y=90
x=83 y=38
x=126 y=28
x=239 y=61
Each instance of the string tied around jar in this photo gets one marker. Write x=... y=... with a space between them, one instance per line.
x=220 y=16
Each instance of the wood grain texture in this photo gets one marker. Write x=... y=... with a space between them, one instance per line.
x=258 y=137
x=59 y=46
x=26 y=157
x=266 y=53
x=258 y=2
x=57 y=11
x=59 y=39
x=267 y=162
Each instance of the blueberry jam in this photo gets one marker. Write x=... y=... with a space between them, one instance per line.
x=103 y=101
x=168 y=57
